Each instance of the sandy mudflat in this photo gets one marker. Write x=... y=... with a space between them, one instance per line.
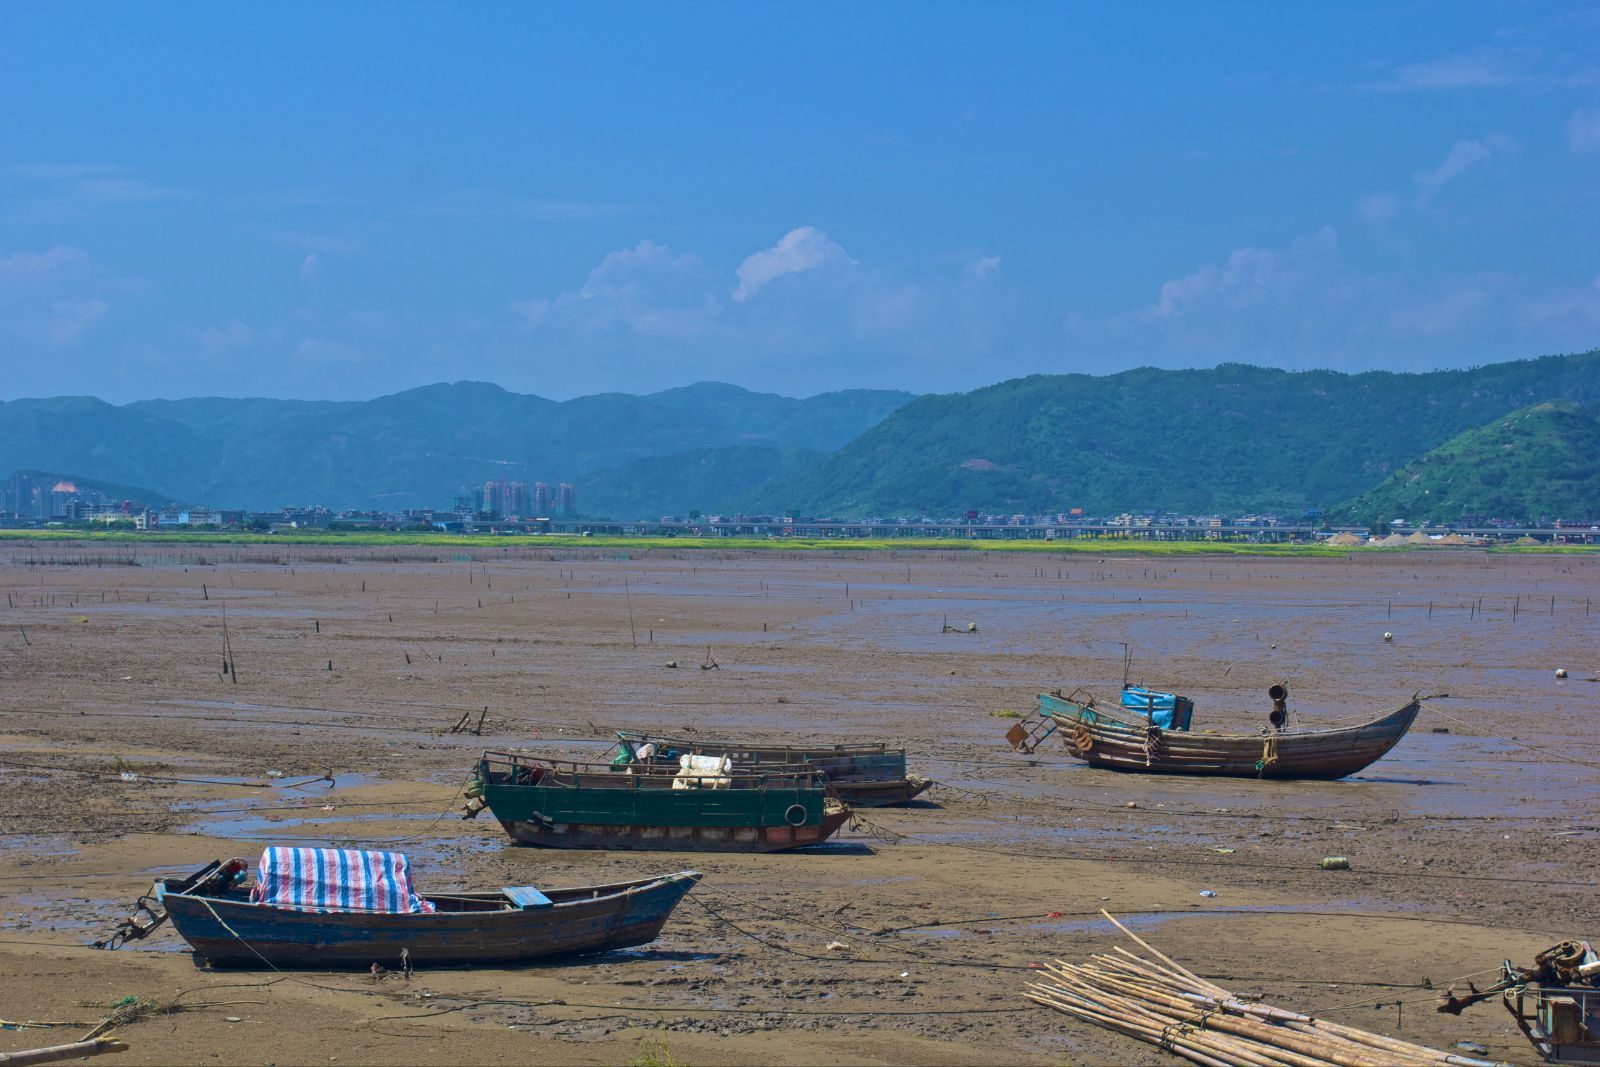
x=1466 y=848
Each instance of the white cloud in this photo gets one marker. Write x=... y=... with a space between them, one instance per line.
x=1483 y=69
x=57 y=260
x=1576 y=308
x=981 y=268
x=1250 y=276
x=1463 y=156
x=646 y=289
x=802 y=249
x=1378 y=208
x=1583 y=132
x=69 y=319
x=808 y=315
x=311 y=267
x=225 y=338
x=117 y=189
x=1525 y=67
x=1443 y=314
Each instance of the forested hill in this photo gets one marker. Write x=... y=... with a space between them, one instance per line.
x=411 y=449
x=1233 y=439
x=1538 y=464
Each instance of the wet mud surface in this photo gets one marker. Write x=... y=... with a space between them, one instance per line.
x=126 y=753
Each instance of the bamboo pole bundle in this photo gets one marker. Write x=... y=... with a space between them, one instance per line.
x=1162 y=1003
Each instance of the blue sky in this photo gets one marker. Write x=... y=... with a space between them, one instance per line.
x=346 y=200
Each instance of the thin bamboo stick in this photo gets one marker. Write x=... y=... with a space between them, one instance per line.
x=75 y=1050
x=1163 y=957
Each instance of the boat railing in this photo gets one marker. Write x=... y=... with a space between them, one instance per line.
x=747 y=752
x=507 y=768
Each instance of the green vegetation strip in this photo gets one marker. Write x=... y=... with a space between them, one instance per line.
x=372 y=539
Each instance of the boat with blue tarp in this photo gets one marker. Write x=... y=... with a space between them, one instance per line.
x=1152 y=732
x=336 y=908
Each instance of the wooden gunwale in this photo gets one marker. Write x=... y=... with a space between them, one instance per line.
x=580 y=919
x=629 y=838
x=863 y=774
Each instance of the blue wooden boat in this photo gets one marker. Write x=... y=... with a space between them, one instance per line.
x=213 y=911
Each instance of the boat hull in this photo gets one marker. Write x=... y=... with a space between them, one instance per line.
x=867 y=775
x=883 y=794
x=594 y=919
x=674 y=838
x=1312 y=754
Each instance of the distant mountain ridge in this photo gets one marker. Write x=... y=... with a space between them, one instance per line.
x=415 y=448
x=1541 y=463
x=1233 y=439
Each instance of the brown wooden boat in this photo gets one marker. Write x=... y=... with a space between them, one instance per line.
x=1149 y=732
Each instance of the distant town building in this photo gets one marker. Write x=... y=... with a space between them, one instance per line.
x=516 y=500
x=489 y=500
x=541 y=499
x=566 y=499
x=41 y=497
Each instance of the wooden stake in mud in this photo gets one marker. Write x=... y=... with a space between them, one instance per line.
x=628 y=593
x=228 y=666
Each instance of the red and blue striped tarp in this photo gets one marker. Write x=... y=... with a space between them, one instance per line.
x=335 y=879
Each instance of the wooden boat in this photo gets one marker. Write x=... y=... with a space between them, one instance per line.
x=561 y=804
x=213 y=911
x=863 y=775
x=1154 y=737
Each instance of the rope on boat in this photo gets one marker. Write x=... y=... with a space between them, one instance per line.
x=863 y=825
x=1269 y=753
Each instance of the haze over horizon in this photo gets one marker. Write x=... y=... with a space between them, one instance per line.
x=323 y=204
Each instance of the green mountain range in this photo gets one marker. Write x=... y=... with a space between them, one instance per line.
x=1541 y=463
x=417 y=448
x=1233 y=439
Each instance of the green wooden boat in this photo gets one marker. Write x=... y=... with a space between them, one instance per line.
x=561 y=804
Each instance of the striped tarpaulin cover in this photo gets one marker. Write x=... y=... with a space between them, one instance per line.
x=335 y=879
